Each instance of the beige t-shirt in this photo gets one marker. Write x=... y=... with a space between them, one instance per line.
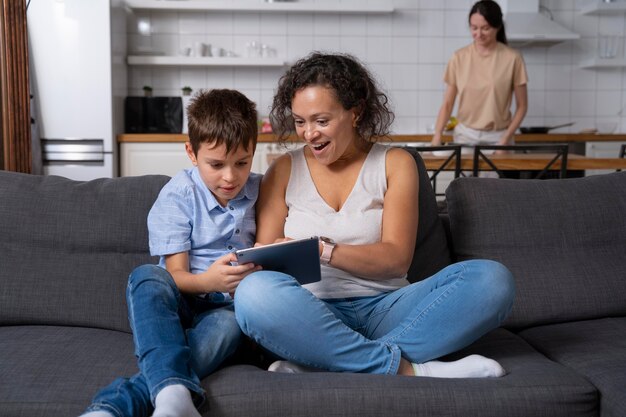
x=485 y=85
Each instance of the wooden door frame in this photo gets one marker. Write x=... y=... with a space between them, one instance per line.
x=15 y=119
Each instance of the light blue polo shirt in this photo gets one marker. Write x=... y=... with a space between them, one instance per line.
x=186 y=217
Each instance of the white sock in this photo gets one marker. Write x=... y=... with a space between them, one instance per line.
x=473 y=366
x=174 y=401
x=97 y=414
x=287 y=367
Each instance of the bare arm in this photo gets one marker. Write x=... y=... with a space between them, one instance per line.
x=521 y=104
x=391 y=257
x=445 y=111
x=271 y=209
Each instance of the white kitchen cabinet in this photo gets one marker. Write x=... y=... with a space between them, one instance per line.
x=168 y=158
x=601 y=150
x=152 y=158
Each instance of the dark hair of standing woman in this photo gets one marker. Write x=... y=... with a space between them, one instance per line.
x=351 y=83
x=492 y=13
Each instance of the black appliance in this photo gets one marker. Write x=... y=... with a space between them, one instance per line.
x=153 y=115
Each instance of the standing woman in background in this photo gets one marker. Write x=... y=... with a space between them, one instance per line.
x=485 y=75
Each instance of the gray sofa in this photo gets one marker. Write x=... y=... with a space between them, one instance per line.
x=67 y=247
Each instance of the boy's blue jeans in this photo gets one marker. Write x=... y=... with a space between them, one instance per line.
x=178 y=340
x=419 y=322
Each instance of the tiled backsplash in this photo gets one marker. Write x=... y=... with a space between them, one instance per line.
x=407 y=50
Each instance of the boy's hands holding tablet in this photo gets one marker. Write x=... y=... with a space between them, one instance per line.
x=221 y=276
x=225 y=276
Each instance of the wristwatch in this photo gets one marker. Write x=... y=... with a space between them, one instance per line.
x=327 y=249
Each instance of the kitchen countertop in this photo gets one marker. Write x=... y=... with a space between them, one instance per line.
x=269 y=138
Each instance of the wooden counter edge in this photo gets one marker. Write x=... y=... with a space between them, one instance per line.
x=269 y=138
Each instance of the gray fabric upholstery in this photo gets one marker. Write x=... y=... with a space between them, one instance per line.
x=52 y=371
x=431 y=248
x=563 y=240
x=593 y=348
x=535 y=387
x=67 y=247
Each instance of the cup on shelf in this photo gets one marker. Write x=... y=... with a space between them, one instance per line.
x=217 y=51
x=608 y=46
x=253 y=49
x=267 y=51
x=200 y=49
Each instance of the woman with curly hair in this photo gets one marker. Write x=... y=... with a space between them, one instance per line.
x=364 y=315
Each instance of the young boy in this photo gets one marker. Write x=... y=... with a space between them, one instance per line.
x=181 y=311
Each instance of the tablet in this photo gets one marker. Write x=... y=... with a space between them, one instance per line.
x=299 y=258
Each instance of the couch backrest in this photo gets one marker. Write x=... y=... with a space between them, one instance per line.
x=431 y=248
x=67 y=247
x=563 y=240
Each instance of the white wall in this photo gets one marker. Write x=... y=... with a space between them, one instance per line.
x=407 y=50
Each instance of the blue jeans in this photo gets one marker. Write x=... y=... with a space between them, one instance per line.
x=419 y=322
x=178 y=340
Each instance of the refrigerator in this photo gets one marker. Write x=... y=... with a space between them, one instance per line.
x=78 y=73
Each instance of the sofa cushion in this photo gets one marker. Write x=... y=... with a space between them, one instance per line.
x=67 y=247
x=593 y=348
x=563 y=240
x=535 y=386
x=431 y=248
x=51 y=371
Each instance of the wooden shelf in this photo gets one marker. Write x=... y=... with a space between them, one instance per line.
x=604 y=63
x=600 y=7
x=204 y=61
x=257 y=6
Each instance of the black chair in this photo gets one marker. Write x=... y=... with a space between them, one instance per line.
x=622 y=153
x=559 y=151
x=452 y=162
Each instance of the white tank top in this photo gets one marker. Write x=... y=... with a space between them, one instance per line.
x=358 y=222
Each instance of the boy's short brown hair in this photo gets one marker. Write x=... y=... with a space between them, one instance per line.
x=222 y=116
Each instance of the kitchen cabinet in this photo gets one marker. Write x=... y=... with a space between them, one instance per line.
x=168 y=158
x=152 y=158
x=602 y=150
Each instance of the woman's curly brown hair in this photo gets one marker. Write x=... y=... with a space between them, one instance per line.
x=352 y=84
